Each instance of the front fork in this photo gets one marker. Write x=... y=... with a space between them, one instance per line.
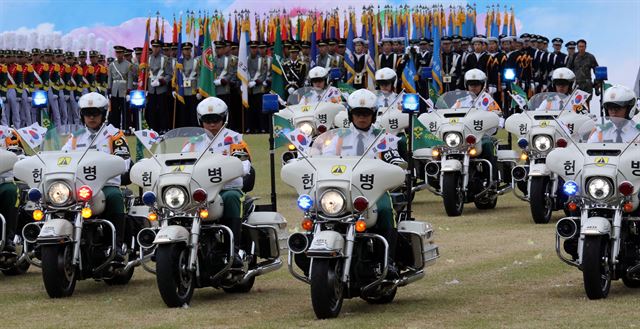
x=350 y=241
x=77 y=236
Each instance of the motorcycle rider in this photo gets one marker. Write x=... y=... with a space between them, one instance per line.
x=386 y=81
x=321 y=91
x=8 y=194
x=212 y=115
x=620 y=106
x=93 y=111
x=362 y=115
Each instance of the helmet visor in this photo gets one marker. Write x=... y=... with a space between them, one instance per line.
x=211 y=118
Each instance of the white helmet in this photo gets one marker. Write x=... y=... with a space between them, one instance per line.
x=386 y=75
x=362 y=99
x=621 y=96
x=92 y=103
x=213 y=106
x=318 y=72
x=565 y=74
x=475 y=75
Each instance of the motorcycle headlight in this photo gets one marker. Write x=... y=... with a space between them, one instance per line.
x=599 y=188
x=59 y=193
x=542 y=143
x=452 y=139
x=306 y=128
x=175 y=197
x=332 y=202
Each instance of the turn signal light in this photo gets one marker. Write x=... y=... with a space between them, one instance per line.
x=524 y=156
x=204 y=213
x=361 y=226
x=572 y=206
x=291 y=147
x=435 y=153
x=38 y=215
x=627 y=207
x=473 y=152
x=152 y=216
x=86 y=212
x=307 y=224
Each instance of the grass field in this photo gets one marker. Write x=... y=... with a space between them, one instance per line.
x=497 y=269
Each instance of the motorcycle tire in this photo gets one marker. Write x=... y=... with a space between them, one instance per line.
x=175 y=282
x=384 y=298
x=541 y=205
x=326 y=287
x=58 y=272
x=452 y=196
x=595 y=273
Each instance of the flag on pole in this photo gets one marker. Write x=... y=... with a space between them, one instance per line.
x=422 y=137
x=436 y=66
x=371 y=56
x=143 y=61
x=518 y=97
x=206 y=87
x=277 y=78
x=178 y=83
x=512 y=24
x=349 y=59
x=409 y=76
x=281 y=128
x=243 y=63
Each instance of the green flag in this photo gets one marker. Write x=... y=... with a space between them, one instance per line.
x=422 y=137
x=52 y=134
x=205 y=80
x=520 y=96
x=281 y=127
x=345 y=87
x=606 y=86
x=277 y=79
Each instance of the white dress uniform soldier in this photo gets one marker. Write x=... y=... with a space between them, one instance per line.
x=359 y=63
x=186 y=114
x=451 y=66
x=93 y=108
x=120 y=82
x=158 y=96
x=620 y=106
x=221 y=72
x=479 y=58
x=557 y=59
x=12 y=82
x=387 y=58
x=253 y=121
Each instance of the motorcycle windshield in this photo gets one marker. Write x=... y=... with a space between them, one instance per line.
x=341 y=142
x=611 y=130
x=455 y=99
x=305 y=95
x=183 y=140
x=550 y=101
x=54 y=139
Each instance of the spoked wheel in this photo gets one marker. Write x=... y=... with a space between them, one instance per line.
x=383 y=298
x=58 y=272
x=175 y=281
x=596 y=272
x=326 y=287
x=452 y=194
x=539 y=200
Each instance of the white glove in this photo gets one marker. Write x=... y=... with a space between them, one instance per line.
x=4 y=99
x=77 y=98
x=217 y=82
x=174 y=94
x=55 y=96
x=198 y=96
x=264 y=83
x=127 y=98
x=501 y=123
x=29 y=99
x=66 y=98
x=492 y=90
x=155 y=83
x=252 y=84
x=291 y=90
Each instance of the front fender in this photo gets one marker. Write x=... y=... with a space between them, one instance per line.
x=595 y=226
x=55 y=229
x=539 y=169
x=171 y=234
x=451 y=165
x=326 y=244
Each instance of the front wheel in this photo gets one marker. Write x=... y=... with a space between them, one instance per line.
x=326 y=287
x=539 y=200
x=58 y=272
x=452 y=194
x=175 y=281
x=595 y=266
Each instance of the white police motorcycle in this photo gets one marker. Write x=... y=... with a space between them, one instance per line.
x=601 y=181
x=541 y=127
x=337 y=254
x=454 y=169
x=66 y=239
x=190 y=246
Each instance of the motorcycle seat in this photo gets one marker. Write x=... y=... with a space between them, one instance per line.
x=248 y=206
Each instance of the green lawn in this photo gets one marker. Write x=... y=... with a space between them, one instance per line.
x=497 y=269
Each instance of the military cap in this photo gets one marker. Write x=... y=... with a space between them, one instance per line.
x=358 y=40
x=58 y=52
x=456 y=38
x=187 y=45
x=570 y=44
x=110 y=60
x=137 y=50
x=174 y=46
x=502 y=36
x=385 y=40
x=235 y=44
x=294 y=49
x=306 y=44
x=492 y=39
x=525 y=36
x=465 y=40
x=332 y=41
x=219 y=43
x=48 y=52
x=557 y=41
x=423 y=41
x=253 y=44
x=228 y=43
x=286 y=43
x=119 y=49
x=82 y=53
x=101 y=56
x=156 y=43
x=262 y=45
x=93 y=53
x=128 y=51
x=445 y=39
x=479 y=38
x=507 y=38
x=518 y=40
x=69 y=54
x=322 y=42
x=342 y=42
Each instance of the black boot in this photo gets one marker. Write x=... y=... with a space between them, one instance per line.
x=391 y=235
x=235 y=225
x=118 y=222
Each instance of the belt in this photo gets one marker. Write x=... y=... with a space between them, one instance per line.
x=6 y=180
x=119 y=80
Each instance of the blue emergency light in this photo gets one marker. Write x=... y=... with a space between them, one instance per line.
x=425 y=73
x=149 y=198
x=509 y=74
x=570 y=188
x=39 y=99
x=305 y=202
x=410 y=103
x=601 y=73
x=270 y=103
x=137 y=99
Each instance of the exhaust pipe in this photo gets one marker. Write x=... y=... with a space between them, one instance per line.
x=432 y=169
x=567 y=228
x=298 y=243
x=519 y=173
x=412 y=277
x=262 y=269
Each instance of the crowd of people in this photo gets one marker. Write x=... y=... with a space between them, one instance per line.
x=66 y=75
